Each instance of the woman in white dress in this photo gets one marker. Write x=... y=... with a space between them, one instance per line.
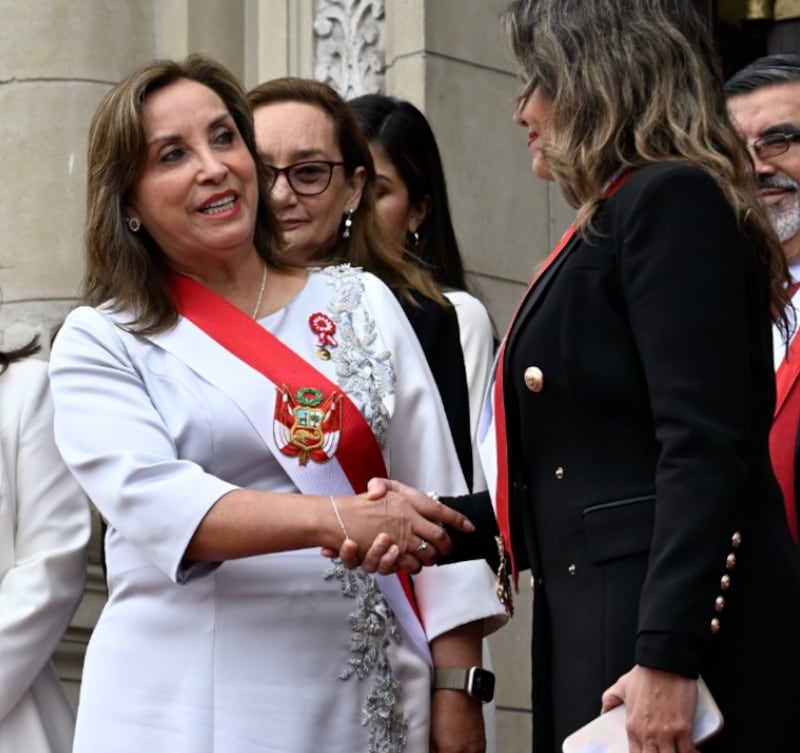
x=44 y=533
x=224 y=410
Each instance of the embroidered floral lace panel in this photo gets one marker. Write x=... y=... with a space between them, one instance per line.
x=366 y=374
x=374 y=627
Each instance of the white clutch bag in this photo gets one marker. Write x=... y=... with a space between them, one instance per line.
x=606 y=733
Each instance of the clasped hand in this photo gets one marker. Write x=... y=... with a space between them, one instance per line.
x=410 y=530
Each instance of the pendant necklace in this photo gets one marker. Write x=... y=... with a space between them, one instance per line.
x=260 y=292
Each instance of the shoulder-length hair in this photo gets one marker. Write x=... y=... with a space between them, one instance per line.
x=635 y=82
x=367 y=246
x=405 y=135
x=128 y=270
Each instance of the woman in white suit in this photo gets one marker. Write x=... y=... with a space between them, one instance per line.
x=44 y=532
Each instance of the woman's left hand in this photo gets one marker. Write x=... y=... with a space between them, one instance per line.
x=660 y=709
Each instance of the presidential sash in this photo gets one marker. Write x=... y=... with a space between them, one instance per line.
x=492 y=436
x=325 y=444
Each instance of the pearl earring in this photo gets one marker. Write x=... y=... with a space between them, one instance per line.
x=348 y=223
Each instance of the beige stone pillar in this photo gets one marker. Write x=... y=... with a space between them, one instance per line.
x=57 y=59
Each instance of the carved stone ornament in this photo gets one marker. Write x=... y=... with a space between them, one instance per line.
x=349 y=45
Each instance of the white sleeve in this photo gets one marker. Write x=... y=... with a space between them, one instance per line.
x=41 y=590
x=116 y=443
x=422 y=454
x=477 y=345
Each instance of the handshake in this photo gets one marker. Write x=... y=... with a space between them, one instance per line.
x=394 y=528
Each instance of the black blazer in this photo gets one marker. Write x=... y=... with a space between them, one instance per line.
x=642 y=495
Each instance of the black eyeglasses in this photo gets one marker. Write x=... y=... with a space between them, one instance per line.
x=308 y=178
x=768 y=147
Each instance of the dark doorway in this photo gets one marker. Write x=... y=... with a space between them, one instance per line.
x=747 y=29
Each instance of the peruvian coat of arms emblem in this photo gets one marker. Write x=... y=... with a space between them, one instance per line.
x=307 y=425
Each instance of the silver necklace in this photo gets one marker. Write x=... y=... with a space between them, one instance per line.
x=260 y=292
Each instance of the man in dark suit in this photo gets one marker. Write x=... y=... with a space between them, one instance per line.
x=764 y=105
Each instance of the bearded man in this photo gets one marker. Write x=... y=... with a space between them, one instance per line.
x=764 y=106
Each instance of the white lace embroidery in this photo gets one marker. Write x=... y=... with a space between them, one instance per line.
x=374 y=627
x=363 y=373
x=367 y=375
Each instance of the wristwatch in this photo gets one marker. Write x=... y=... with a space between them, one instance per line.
x=476 y=682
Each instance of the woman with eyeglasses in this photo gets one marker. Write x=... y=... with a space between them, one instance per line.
x=304 y=125
x=224 y=409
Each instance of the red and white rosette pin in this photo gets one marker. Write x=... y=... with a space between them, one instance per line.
x=324 y=328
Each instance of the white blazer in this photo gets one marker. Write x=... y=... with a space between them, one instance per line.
x=477 y=345
x=44 y=533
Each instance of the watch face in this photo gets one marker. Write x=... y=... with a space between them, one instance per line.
x=481 y=684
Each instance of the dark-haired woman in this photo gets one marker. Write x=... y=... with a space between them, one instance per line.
x=44 y=532
x=414 y=209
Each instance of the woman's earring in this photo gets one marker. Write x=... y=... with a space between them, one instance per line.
x=412 y=240
x=133 y=224
x=348 y=223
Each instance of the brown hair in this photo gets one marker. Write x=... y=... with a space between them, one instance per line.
x=635 y=82
x=367 y=246
x=125 y=269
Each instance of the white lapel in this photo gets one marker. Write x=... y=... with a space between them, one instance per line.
x=487 y=436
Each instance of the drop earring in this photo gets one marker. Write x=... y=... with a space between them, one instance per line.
x=348 y=223
x=412 y=240
x=133 y=224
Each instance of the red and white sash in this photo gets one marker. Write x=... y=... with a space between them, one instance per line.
x=492 y=438
x=230 y=350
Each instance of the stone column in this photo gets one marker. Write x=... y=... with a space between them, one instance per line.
x=57 y=59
